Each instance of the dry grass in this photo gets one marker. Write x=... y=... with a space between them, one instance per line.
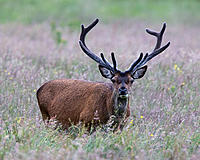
x=168 y=96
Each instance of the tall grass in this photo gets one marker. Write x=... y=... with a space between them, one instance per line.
x=164 y=122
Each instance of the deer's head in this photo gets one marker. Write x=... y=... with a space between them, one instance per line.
x=122 y=81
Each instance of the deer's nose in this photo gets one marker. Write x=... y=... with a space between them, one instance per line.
x=123 y=91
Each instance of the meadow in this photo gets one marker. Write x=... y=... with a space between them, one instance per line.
x=165 y=103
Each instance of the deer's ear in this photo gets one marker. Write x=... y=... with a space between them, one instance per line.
x=139 y=73
x=105 y=72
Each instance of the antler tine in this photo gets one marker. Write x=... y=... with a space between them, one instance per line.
x=85 y=49
x=157 y=50
x=158 y=35
x=114 y=61
x=135 y=63
x=105 y=61
x=141 y=62
x=153 y=54
x=84 y=30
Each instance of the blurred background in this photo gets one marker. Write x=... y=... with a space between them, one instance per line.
x=39 y=42
x=74 y=12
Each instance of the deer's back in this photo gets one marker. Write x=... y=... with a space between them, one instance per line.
x=75 y=100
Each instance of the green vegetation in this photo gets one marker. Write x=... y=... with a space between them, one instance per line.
x=168 y=133
x=164 y=121
x=73 y=12
x=57 y=35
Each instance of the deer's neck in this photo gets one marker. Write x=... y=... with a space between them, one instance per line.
x=119 y=105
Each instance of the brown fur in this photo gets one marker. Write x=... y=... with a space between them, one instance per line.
x=74 y=101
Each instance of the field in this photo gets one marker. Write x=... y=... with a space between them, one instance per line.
x=165 y=104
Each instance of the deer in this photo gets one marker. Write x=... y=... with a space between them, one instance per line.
x=72 y=101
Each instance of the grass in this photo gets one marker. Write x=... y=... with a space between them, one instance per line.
x=73 y=13
x=164 y=122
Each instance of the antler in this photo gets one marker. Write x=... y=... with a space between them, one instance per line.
x=157 y=50
x=102 y=61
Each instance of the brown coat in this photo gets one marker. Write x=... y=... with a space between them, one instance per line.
x=73 y=101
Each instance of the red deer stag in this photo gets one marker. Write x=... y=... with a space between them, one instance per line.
x=71 y=101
